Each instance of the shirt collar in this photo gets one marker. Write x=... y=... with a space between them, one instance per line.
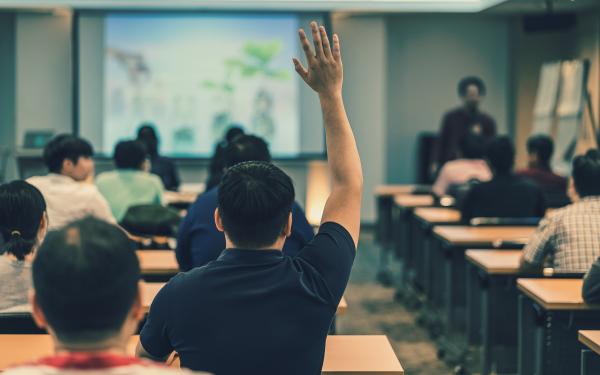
x=250 y=256
x=88 y=361
x=56 y=177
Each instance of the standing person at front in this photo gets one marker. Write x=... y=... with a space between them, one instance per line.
x=464 y=120
x=252 y=310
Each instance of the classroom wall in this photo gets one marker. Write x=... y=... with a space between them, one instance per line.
x=427 y=56
x=7 y=89
x=531 y=50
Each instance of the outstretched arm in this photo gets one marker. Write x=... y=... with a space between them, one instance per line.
x=324 y=74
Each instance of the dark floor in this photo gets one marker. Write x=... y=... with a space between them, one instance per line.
x=372 y=310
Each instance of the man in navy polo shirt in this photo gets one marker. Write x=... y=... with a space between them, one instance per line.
x=199 y=241
x=254 y=311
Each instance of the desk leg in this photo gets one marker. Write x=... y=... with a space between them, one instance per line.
x=383 y=237
x=590 y=362
x=530 y=339
x=486 y=350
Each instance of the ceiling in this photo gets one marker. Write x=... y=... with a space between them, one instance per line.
x=298 y=5
x=539 y=6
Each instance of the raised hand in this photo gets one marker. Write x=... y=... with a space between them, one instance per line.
x=325 y=72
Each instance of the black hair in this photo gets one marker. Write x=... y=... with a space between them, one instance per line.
x=232 y=132
x=500 y=154
x=147 y=135
x=472 y=146
x=130 y=154
x=246 y=148
x=85 y=278
x=255 y=199
x=468 y=81
x=23 y=207
x=586 y=173
x=541 y=145
x=65 y=146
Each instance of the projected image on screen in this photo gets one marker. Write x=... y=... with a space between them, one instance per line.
x=193 y=76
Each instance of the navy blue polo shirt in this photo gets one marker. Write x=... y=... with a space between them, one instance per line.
x=254 y=311
x=199 y=241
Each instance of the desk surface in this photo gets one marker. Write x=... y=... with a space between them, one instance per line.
x=591 y=339
x=555 y=294
x=161 y=262
x=412 y=201
x=495 y=262
x=484 y=236
x=343 y=354
x=173 y=197
x=435 y=215
x=150 y=290
x=388 y=190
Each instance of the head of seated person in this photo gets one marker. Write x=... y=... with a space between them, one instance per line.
x=586 y=174
x=69 y=155
x=147 y=135
x=244 y=148
x=85 y=287
x=472 y=146
x=540 y=148
x=500 y=156
x=255 y=206
x=471 y=90
x=131 y=155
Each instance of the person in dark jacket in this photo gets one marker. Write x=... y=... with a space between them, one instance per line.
x=217 y=162
x=161 y=166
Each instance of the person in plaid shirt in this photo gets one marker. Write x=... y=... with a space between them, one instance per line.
x=569 y=240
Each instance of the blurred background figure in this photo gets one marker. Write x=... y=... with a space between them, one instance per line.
x=160 y=165
x=217 y=162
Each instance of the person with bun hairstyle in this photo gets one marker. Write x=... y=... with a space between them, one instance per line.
x=23 y=226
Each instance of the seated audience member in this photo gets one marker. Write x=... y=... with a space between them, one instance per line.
x=254 y=310
x=569 y=239
x=23 y=225
x=86 y=294
x=591 y=284
x=540 y=148
x=470 y=166
x=68 y=193
x=505 y=195
x=199 y=241
x=217 y=162
x=159 y=165
x=130 y=184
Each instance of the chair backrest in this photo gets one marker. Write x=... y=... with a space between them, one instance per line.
x=507 y=221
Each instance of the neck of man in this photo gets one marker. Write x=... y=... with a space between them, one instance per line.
x=278 y=245
x=113 y=345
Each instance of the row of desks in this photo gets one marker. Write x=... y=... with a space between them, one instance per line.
x=344 y=355
x=520 y=323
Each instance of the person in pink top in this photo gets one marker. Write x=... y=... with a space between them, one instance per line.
x=469 y=166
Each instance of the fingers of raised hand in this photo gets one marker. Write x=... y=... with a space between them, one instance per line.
x=337 y=52
x=325 y=42
x=300 y=69
x=317 y=41
x=306 y=47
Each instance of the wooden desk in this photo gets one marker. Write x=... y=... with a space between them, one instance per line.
x=495 y=262
x=389 y=190
x=344 y=355
x=590 y=355
x=591 y=339
x=176 y=197
x=437 y=215
x=465 y=236
x=413 y=201
x=158 y=262
x=551 y=312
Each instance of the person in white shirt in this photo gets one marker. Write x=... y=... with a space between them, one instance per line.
x=68 y=193
x=470 y=166
x=86 y=294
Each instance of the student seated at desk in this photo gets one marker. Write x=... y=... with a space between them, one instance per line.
x=199 y=241
x=67 y=189
x=539 y=149
x=130 y=184
x=591 y=284
x=569 y=240
x=23 y=225
x=218 y=164
x=468 y=167
x=86 y=294
x=505 y=195
x=254 y=310
x=159 y=165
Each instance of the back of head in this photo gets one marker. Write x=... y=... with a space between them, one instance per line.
x=233 y=132
x=130 y=155
x=147 y=135
x=65 y=146
x=586 y=174
x=85 y=278
x=255 y=200
x=464 y=84
x=472 y=146
x=542 y=146
x=246 y=148
x=500 y=154
x=23 y=207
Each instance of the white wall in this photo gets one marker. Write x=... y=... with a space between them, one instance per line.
x=427 y=56
x=363 y=40
x=43 y=73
